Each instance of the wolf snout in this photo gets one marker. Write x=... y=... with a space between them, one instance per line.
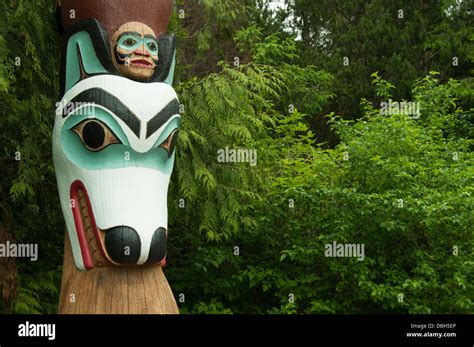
x=157 y=246
x=123 y=245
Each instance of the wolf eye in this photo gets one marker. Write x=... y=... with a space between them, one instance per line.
x=95 y=135
x=170 y=143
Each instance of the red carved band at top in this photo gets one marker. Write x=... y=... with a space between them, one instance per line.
x=113 y=13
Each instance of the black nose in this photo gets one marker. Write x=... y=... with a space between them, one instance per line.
x=123 y=245
x=157 y=246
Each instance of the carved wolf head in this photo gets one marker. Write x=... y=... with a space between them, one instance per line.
x=113 y=149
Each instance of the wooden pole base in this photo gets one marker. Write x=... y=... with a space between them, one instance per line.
x=114 y=290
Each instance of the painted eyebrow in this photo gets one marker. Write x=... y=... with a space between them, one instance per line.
x=150 y=37
x=134 y=33
x=101 y=97
x=162 y=117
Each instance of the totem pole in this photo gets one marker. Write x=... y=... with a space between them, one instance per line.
x=114 y=141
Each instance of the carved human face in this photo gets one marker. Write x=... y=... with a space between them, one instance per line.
x=135 y=51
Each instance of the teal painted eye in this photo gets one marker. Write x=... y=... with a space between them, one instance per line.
x=152 y=47
x=86 y=148
x=130 y=42
x=95 y=135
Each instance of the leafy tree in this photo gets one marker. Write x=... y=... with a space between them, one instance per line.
x=400 y=186
x=401 y=40
x=29 y=89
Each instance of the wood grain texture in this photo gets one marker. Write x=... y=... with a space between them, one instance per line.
x=114 y=290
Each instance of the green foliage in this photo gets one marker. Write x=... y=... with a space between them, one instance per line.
x=38 y=293
x=222 y=110
x=405 y=192
x=401 y=40
x=29 y=82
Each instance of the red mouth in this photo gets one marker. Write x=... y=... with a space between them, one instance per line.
x=142 y=63
x=91 y=238
x=87 y=232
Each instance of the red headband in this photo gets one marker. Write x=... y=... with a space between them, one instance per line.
x=113 y=13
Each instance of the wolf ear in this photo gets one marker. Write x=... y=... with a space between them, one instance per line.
x=166 y=59
x=85 y=53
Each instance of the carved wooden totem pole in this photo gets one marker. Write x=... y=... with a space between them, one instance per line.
x=113 y=148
